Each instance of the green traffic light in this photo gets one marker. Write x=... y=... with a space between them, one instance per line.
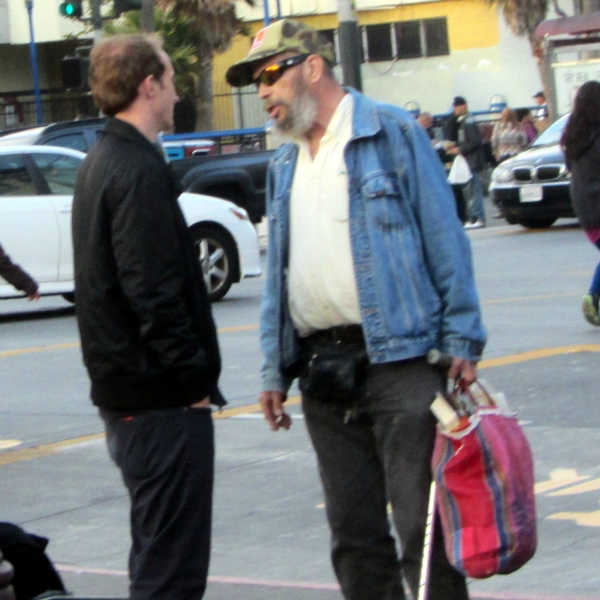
x=70 y=9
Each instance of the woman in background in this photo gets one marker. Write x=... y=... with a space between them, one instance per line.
x=508 y=137
x=581 y=145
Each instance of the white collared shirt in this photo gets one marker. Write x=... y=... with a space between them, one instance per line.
x=322 y=286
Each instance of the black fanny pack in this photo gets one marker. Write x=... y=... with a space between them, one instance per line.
x=334 y=366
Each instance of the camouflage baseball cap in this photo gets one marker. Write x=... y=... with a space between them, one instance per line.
x=283 y=36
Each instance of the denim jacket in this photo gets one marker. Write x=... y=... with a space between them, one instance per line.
x=412 y=259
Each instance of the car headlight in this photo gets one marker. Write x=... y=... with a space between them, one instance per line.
x=240 y=213
x=502 y=175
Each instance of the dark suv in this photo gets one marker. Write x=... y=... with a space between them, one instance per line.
x=532 y=188
x=78 y=135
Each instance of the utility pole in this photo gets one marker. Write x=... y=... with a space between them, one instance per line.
x=147 y=16
x=350 y=43
x=34 y=64
x=267 y=19
x=96 y=20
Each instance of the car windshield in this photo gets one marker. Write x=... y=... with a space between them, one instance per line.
x=552 y=134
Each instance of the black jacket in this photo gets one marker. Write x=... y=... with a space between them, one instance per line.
x=16 y=276
x=465 y=132
x=147 y=334
x=585 y=186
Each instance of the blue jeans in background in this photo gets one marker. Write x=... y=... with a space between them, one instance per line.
x=474 y=189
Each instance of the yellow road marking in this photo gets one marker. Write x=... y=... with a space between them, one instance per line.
x=536 y=354
x=591 y=519
x=69 y=345
x=227 y=413
x=559 y=478
x=588 y=486
x=240 y=328
x=5 y=444
x=38 y=451
x=38 y=349
x=528 y=298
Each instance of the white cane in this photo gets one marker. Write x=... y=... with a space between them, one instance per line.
x=427 y=545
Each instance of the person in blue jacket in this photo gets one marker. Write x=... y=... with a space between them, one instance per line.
x=368 y=270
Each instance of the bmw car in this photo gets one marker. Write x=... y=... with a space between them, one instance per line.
x=36 y=195
x=532 y=188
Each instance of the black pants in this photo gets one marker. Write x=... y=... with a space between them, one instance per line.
x=382 y=454
x=166 y=458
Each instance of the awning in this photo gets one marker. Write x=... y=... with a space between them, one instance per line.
x=586 y=23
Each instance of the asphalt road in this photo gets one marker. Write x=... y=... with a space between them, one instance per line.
x=270 y=537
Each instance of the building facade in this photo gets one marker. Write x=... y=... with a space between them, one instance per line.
x=423 y=52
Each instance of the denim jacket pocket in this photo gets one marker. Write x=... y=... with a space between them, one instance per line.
x=381 y=194
x=377 y=185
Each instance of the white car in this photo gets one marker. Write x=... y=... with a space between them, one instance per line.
x=36 y=195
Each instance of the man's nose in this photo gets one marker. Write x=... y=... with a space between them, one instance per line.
x=263 y=90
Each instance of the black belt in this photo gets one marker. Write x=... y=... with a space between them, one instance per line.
x=343 y=335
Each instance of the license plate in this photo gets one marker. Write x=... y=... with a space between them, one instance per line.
x=531 y=193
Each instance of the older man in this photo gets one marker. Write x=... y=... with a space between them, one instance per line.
x=368 y=269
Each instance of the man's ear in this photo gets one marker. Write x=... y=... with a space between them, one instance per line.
x=315 y=67
x=147 y=88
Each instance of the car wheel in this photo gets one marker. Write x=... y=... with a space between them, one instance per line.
x=69 y=297
x=215 y=253
x=540 y=223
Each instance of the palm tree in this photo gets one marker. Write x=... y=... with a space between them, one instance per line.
x=177 y=33
x=216 y=25
x=522 y=17
x=192 y=32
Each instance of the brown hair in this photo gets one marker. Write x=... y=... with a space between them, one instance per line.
x=117 y=67
x=509 y=116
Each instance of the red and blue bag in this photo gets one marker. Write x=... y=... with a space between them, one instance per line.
x=483 y=472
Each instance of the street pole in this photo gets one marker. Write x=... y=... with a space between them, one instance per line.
x=267 y=16
x=34 y=64
x=96 y=20
x=350 y=42
x=147 y=16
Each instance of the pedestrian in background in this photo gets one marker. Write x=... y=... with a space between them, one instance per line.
x=462 y=129
x=581 y=145
x=508 y=137
x=366 y=273
x=541 y=113
x=526 y=122
x=17 y=277
x=147 y=335
x=425 y=120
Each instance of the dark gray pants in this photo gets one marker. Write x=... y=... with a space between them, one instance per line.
x=382 y=455
x=166 y=458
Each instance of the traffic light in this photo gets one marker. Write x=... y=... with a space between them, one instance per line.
x=123 y=6
x=71 y=8
x=75 y=72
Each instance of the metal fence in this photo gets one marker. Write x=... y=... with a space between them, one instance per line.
x=18 y=111
x=232 y=109
x=237 y=108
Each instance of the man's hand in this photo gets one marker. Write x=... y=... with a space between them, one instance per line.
x=204 y=403
x=454 y=150
x=34 y=296
x=272 y=405
x=463 y=368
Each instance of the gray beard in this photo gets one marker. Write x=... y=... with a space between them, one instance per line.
x=300 y=114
